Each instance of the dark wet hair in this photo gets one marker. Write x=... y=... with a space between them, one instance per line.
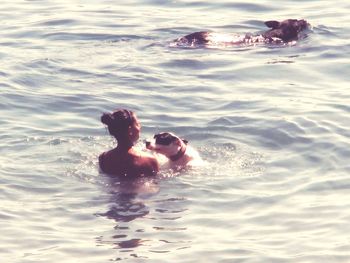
x=118 y=122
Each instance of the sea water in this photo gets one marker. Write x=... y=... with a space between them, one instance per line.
x=271 y=122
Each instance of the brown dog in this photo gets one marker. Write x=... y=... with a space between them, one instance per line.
x=280 y=32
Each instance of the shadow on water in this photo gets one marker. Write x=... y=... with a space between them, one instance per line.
x=124 y=208
x=138 y=211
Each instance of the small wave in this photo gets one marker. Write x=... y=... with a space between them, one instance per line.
x=68 y=36
x=57 y=22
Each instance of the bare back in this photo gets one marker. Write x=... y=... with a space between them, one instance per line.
x=131 y=164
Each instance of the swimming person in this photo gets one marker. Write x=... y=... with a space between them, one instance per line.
x=125 y=160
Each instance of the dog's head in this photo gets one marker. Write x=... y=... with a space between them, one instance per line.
x=286 y=30
x=168 y=144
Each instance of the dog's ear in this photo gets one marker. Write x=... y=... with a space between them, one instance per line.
x=272 y=24
x=185 y=141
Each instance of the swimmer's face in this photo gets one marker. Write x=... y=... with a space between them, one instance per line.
x=135 y=129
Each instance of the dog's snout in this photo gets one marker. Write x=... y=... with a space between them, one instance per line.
x=148 y=143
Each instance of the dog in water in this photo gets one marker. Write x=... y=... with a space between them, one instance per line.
x=176 y=150
x=280 y=33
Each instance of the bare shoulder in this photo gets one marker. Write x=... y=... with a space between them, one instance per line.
x=149 y=159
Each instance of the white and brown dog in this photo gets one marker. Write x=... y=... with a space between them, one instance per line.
x=176 y=150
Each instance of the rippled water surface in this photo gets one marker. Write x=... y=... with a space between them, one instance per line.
x=272 y=123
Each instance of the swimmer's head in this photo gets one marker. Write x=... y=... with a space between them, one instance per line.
x=123 y=125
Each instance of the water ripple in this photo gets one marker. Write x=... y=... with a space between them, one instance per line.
x=271 y=124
